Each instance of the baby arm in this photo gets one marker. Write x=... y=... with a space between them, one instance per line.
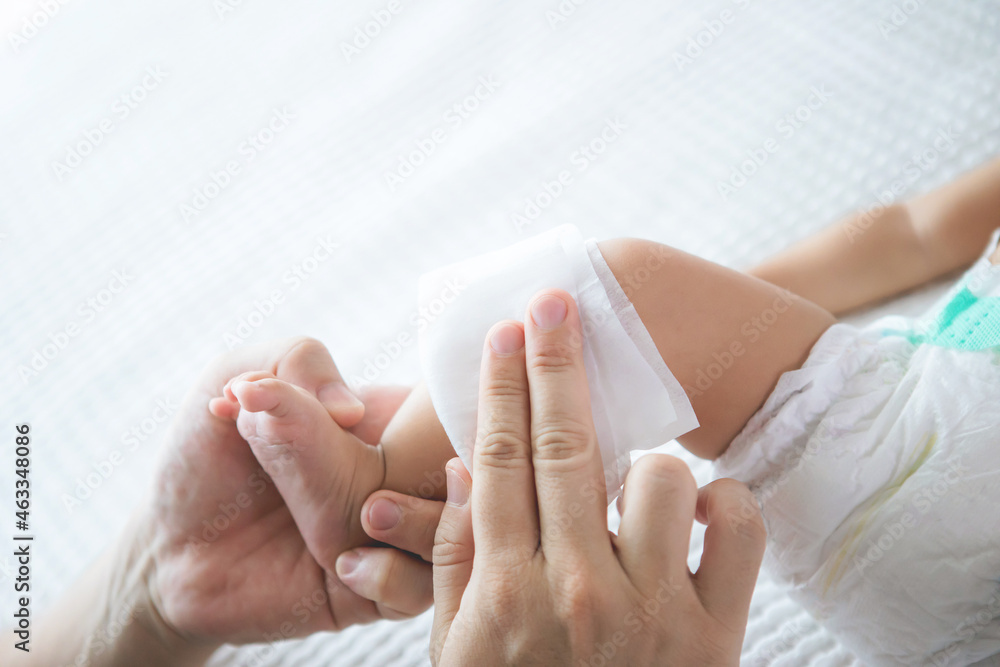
x=878 y=253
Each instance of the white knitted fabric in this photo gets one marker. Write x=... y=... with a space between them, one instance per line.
x=336 y=176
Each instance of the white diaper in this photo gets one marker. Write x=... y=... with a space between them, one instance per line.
x=877 y=466
x=635 y=399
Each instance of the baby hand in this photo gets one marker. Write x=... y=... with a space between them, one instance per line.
x=277 y=418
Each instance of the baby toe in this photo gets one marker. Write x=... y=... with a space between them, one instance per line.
x=224 y=408
x=280 y=413
x=251 y=376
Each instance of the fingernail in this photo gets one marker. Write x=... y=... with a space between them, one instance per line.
x=458 y=490
x=336 y=394
x=347 y=563
x=507 y=338
x=548 y=311
x=384 y=514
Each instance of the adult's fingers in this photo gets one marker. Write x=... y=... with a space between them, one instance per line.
x=506 y=516
x=402 y=521
x=454 y=551
x=734 y=547
x=655 y=532
x=572 y=500
x=400 y=585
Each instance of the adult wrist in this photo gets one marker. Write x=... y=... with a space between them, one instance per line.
x=131 y=627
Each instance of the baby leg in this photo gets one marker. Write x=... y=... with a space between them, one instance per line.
x=726 y=336
x=274 y=417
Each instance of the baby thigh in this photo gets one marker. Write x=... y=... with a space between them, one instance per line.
x=726 y=336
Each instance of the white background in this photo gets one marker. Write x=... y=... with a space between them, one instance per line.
x=561 y=77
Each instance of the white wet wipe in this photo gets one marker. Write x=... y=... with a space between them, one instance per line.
x=636 y=402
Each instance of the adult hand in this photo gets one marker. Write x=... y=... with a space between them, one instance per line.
x=525 y=571
x=221 y=551
x=236 y=560
x=391 y=576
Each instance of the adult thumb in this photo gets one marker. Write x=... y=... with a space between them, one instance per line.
x=453 y=553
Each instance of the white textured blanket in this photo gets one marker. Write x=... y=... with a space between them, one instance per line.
x=167 y=168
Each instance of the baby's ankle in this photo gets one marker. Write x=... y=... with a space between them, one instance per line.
x=369 y=477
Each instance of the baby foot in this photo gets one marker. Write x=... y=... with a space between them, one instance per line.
x=278 y=420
